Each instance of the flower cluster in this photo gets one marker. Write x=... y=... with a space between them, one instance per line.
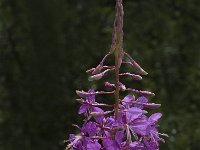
x=126 y=124
x=131 y=129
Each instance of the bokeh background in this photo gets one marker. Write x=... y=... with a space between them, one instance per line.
x=46 y=46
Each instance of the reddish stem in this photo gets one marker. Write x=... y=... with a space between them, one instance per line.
x=118 y=28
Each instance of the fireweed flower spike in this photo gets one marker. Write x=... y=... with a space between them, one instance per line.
x=125 y=125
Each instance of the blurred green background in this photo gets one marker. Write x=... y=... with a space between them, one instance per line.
x=46 y=46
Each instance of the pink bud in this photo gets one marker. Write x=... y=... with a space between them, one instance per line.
x=82 y=93
x=135 y=65
x=96 y=77
x=109 y=85
x=97 y=69
x=151 y=105
x=138 y=68
x=133 y=76
x=100 y=75
x=96 y=114
x=146 y=93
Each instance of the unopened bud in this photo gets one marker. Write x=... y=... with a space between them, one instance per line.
x=109 y=85
x=123 y=87
x=96 y=114
x=144 y=111
x=138 y=68
x=96 y=77
x=133 y=76
x=83 y=94
x=97 y=69
x=146 y=93
x=79 y=100
x=151 y=105
x=136 y=65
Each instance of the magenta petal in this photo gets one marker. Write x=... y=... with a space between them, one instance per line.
x=128 y=99
x=71 y=137
x=140 y=128
x=119 y=136
x=152 y=105
x=110 y=144
x=133 y=113
x=91 y=98
x=98 y=119
x=141 y=100
x=90 y=128
x=133 y=144
x=155 y=117
x=82 y=109
x=93 y=145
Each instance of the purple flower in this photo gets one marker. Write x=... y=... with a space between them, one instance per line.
x=110 y=144
x=83 y=141
x=125 y=124
x=86 y=105
x=93 y=145
x=89 y=128
x=152 y=132
x=133 y=113
x=139 y=125
x=137 y=146
x=140 y=101
x=128 y=100
x=131 y=121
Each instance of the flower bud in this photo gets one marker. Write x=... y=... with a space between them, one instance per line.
x=80 y=100
x=135 y=65
x=151 y=105
x=109 y=85
x=138 y=68
x=146 y=93
x=97 y=69
x=96 y=77
x=83 y=94
x=96 y=114
x=133 y=76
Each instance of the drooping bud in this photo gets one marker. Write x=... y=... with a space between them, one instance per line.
x=122 y=86
x=151 y=105
x=97 y=69
x=100 y=75
x=96 y=76
x=135 y=65
x=144 y=112
x=144 y=93
x=80 y=100
x=133 y=76
x=84 y=94
x=97 y=114
x=90 y=70
x=109 y=85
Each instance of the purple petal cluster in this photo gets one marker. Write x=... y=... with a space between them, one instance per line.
x=132 y=130
x=125 y=125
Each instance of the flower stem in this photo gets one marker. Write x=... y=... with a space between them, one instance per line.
x=116 y=81
x=118 y=28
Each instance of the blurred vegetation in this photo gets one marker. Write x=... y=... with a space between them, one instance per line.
x=46 y=46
